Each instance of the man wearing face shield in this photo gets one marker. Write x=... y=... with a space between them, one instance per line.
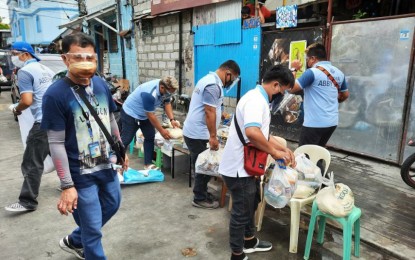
x=80 y=151
x=202 y=121
x=33 y=80
x=138 y=112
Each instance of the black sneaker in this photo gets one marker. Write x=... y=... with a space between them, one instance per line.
x=206 y=204
x=239 y=257
x=68 y=247
x=261 y=246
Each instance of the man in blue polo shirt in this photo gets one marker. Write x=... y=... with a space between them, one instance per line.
x=202 y=121
x=138 y=113
x=33 y=81
x=324 y=88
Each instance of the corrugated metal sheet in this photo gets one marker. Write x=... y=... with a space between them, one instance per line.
x=219 y=33
x=246 y=54
x=216 y=13
x=228 y=32
x=204 y=34
x=228 y=11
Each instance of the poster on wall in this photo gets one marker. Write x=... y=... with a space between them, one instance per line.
x=275 y=49
x=297 y=52
x=286 y=16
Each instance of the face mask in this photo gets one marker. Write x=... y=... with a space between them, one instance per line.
x=83 y=69
x=17 y=62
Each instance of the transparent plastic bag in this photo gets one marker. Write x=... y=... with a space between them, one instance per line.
x=281 y=185
x=289 y=108
x=208 y=162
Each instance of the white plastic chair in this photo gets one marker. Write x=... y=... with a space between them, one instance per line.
x=315 y=154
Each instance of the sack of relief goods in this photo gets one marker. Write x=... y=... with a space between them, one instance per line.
x=336 y=199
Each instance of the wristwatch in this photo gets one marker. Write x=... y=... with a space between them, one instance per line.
x=172 y=119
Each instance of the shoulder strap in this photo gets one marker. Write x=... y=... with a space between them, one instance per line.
x=238 y=130
x=329 y=76
x=78 y=91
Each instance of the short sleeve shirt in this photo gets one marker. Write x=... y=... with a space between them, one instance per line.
x=251 y=111
x=321 y=107
x=144 y=99
x=87 y=148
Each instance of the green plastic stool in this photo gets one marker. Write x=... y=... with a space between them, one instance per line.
x=132 y=146
x=159 y=157
x=353 y=219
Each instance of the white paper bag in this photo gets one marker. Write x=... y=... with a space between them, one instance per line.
x=26 y=121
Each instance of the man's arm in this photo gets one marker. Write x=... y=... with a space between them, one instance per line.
x=210 y=113
x=69 y=196
x=155 y=122
x=169 y=112
x=343 y=96
x=116 y=132
x=256 y=137
x=26 y=100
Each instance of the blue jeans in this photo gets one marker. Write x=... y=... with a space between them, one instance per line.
x=130 y=125
x=197 y=146
x=96 y=205
x=244 y=193
x=37 y=148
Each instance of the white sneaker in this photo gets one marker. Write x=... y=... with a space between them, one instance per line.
x=16 y=207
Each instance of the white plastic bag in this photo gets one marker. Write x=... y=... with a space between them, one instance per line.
x=281 y=186
x=26 y=121
x=208 y=162
x=336 y=199
x=309 y=177
x=3 y=78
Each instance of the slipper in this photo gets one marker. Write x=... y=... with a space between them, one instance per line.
x=151 y=167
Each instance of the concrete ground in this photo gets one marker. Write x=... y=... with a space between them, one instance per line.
x=155 y=221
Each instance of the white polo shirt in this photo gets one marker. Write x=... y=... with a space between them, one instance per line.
x=252 y=110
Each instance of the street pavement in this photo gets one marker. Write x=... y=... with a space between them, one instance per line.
x=155 y=221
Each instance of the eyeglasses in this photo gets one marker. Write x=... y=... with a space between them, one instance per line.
x=82 y=56
x=16 y=53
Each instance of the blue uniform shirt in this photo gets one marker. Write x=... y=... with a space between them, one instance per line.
x=321 y=107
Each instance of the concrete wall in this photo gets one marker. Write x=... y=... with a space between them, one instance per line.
x=158 y=49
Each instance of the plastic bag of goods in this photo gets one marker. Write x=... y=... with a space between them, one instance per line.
x=336 y=200
x=208 y=162
x=281 y=185
x=309 y=177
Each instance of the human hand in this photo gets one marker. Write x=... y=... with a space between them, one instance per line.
x=285 y=156
x=214 y=143
x=16 y=112
x=165 y=134
x=68 y=201
x=175 y=123
x=296 y=64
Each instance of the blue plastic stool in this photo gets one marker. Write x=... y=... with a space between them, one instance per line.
x=352 y=220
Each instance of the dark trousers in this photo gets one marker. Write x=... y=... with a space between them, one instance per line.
x=197 y=146
x=316 y=135
x=130 y=125
x=244 y=203
x=37 y=148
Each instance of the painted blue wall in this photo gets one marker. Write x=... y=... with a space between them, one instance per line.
x=211 y=50
x=130 y=53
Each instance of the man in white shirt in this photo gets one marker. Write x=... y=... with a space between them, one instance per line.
x=253 y=117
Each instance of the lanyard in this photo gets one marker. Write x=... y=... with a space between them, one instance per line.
x=91 y=96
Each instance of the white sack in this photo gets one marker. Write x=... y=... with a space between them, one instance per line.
x=26 y=121
x=337 y=200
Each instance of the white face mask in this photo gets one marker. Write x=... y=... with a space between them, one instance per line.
x=17 y=62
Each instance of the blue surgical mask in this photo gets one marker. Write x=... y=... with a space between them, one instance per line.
x=231 y=86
